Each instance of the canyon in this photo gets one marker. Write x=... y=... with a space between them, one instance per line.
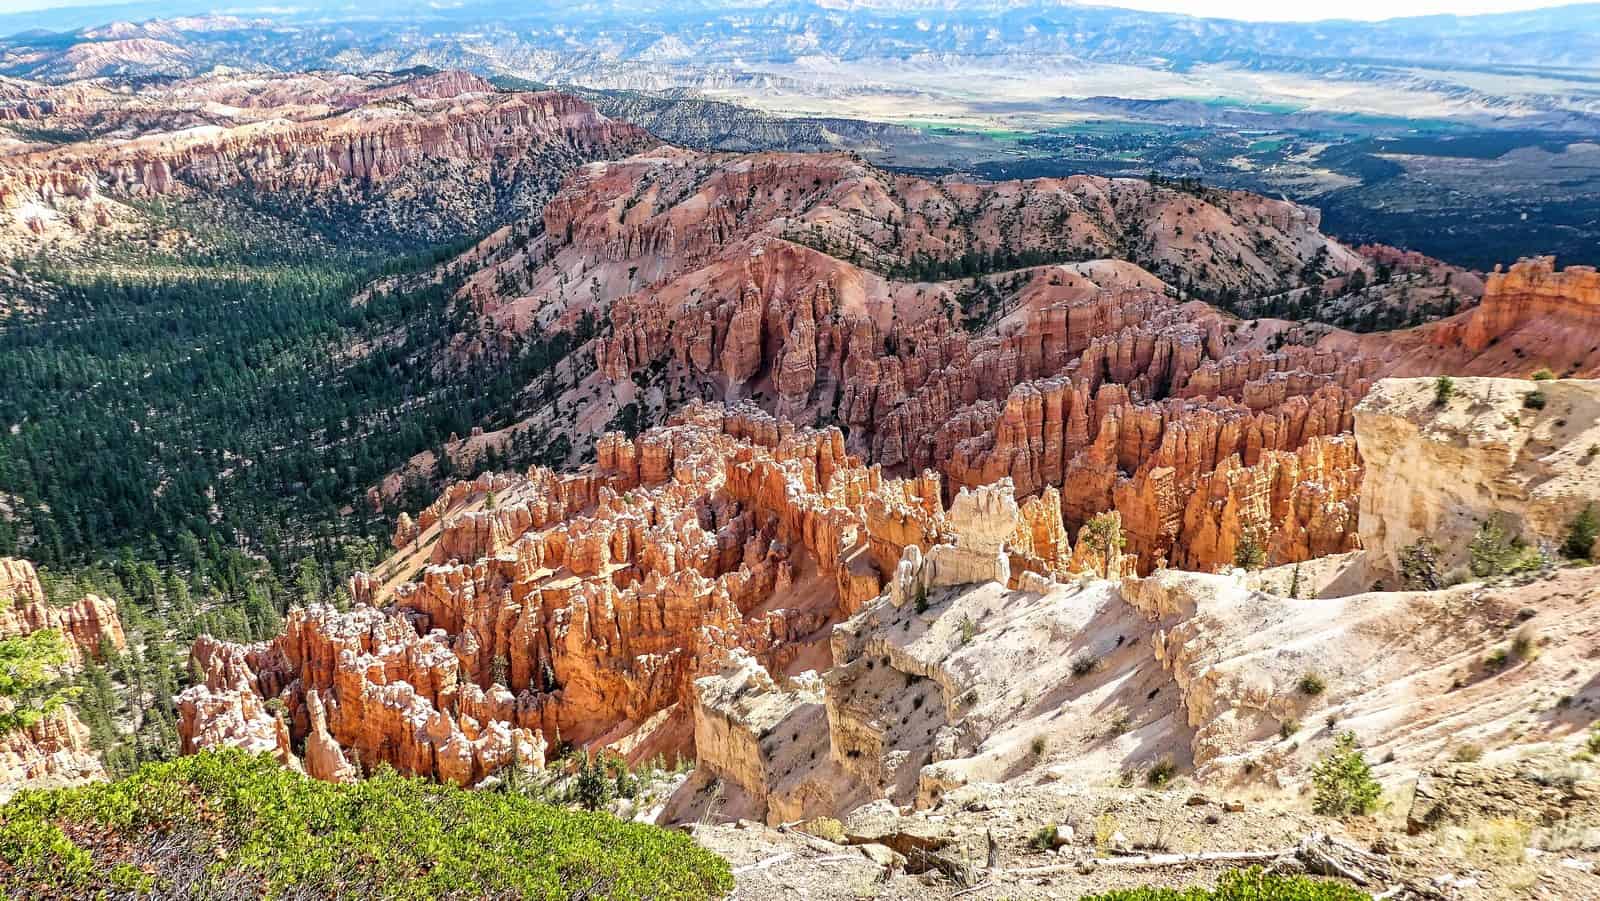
x=824 y=640
x=864 y=496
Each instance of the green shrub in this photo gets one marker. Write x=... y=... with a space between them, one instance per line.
x=1543 y=375
x=227 y=824
x=1535 y=400
x=1253 y=884
x=1444 y=388
x=1313 y=684
x=1342 y=781
x=1581 y=534
x=1162 y=771
x=1493 y=552
x=1044 y=839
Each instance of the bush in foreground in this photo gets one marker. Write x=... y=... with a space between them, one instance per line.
x=1253 y=884
x=226 y=824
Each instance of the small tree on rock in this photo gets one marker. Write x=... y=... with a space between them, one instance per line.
x=1581 y=534
x=1104 y=533
x=29 y=690
x=1343 y=781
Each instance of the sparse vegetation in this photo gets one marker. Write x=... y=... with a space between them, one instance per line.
x=1419 y=566
x=1312 y=684
x=1253 y=884
x=969 y=630
x=1543 y=374
x=1105 y=827
x=1342 y=780
x=1467 y=753
x=1288 y=727
x=1525 y=644
x=1444 y=388
x=1535 y=400
x=824 y=828
x=1249 y=553
x=1162 y=771
x=1502 y=839
x=230 y=824
x=1104 y=532
x=1038 y=745
x=1493 y=551
x=1043 y=839
x=1084 y=663
x=29 y=690
x=1582 y=532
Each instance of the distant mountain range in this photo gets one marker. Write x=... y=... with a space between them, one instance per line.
x=712 y=33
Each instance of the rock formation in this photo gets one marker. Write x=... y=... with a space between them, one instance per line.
x=789 y=281
x=581 y=607
x=1437 y=471
x=87 y=625
x=55 y=750
x=1083 y=683
x=1532 y=293
x=1532 y=316
x=445 y=149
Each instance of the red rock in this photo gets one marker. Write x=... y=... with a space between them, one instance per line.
x=86 y=625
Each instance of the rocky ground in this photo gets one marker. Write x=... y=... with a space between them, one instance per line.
x=1111 y=826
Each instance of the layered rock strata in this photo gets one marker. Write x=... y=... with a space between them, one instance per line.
x=789 y=280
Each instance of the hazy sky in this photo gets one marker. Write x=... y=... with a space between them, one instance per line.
x=1262 y=10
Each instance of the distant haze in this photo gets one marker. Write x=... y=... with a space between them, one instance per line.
x=1250 y=10
x=1369 y=10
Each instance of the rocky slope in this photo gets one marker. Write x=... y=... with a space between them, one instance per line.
x=1532 y=316
x=1523 y=453
x=55 y=750
x=579 y=607
x=430 y=157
